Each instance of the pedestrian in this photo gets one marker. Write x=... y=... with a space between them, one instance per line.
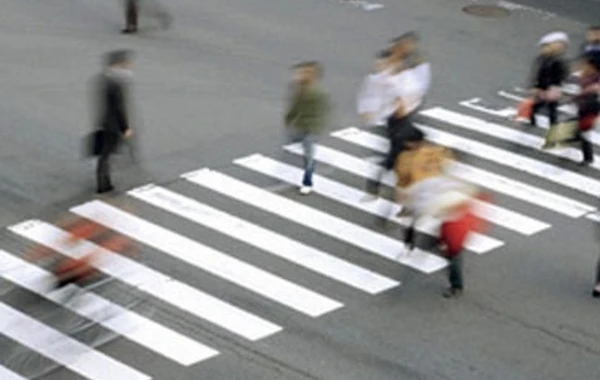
x=587 y=103
x=373 y=90
x=307 y=115
x=550 y=71
x=596 y=291
x=133 y=8
x=592 y=40
x=114 y=113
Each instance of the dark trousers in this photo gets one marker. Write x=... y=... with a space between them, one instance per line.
x=598 y=272
x=455 y=271
x=131 y=14
x=399 y=131
x=552 y=111
x=586 y=147
x=103 y=172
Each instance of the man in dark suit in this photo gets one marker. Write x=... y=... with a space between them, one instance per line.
x=113 y=116
x=155 y=9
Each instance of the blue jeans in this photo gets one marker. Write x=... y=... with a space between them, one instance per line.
x=307 y=140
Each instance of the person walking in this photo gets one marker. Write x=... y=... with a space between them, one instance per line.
x=114 y=121
x=307 y=115
x=373 y=90
x=133 y=9
x=550 y=71
x=587 y=103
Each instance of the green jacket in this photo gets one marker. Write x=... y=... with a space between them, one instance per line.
x=309 y=110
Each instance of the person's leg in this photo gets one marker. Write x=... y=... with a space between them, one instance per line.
x=596 y=292
x=534 y=110
x=552 y=112
x=587 y=149
x=455 y=276
x=103 y=172
x=131 y=16
x=308 y=143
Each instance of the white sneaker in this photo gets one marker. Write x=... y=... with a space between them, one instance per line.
x=305 y=190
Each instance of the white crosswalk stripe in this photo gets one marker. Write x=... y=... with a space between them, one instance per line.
x=7 y=374
x=153 y=233
x=504 y=133
x=63 y=349
x=492 y=181
x=210 y=260
x=169 y=290
x=363 y=168
x=321 y=222
x=131 y=325
x=269 y=241
x=352 y=197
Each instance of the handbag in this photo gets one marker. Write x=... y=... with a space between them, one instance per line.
x=525 y=109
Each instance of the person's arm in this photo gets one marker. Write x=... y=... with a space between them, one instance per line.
x=294 y=108
x=121 y=105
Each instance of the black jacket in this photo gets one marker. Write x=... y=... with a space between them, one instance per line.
x=549 y=71
x=112 y=98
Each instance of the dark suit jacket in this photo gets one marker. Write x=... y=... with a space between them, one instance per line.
x=112 y=113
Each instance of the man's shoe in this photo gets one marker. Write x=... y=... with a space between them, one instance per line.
x=129 y=30
x=305 y=190
x=452 y=292
x=107 y=189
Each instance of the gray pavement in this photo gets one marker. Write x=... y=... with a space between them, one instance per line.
x=210 y=91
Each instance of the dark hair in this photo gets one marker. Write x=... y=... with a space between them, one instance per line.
x=117 y=57
x=412 y=35
x=592 y=59
x=310 y=64
x=595 y=28
x=384 y=54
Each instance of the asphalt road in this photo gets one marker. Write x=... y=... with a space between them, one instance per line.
x=209 y=91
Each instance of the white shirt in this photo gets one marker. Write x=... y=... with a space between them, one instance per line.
x=410 y=86
x=372 y=96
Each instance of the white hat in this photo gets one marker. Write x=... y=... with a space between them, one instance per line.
x=554 y=37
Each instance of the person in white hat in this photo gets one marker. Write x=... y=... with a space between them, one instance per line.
x=550 y=71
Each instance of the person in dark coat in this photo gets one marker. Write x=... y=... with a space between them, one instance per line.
x=550 y=71
x=132 y=12
x=112 y=88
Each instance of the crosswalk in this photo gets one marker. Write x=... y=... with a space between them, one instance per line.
x=468 y=128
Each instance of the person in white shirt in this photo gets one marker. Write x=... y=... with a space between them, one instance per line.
x=373 y=90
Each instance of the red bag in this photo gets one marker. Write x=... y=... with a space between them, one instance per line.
x=454 y=233
x=525 y=109
x=587 y=122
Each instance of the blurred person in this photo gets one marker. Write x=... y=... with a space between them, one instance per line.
x=550 y=70
x=587 y=102
x=373 y=90
x=133 y=8
x=112 y=89
x=428 y=192
x=307 y=115
x=592 y=40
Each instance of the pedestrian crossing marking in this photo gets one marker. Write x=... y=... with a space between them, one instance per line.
x=505 y=133
x=203 y=257
x=480 y=177
x=363 y=168
x=349 y=196
x=520 y=162
x=266 y=240
x=63 y=349
x=7 y=374
x=169 y=290
x=505 y=113
x=134 y=327
x=319 y=221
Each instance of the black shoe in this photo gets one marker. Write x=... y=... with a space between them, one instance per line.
x=596 y=293
x=585 y=162
x=129 y=30
x=106 y=189
x=452 y=292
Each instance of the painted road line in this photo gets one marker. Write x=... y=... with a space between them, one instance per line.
x=317 y=220
x=7 y=374
x=219 y=264
x=495 y=214
x=266 y=240
x=134 y=327
x=489 y=180
x=568 y=109
x=504 y=133
x=352 y=197
x=63 y=349
x=475 y=104
x=551 y=173
x=171 y=291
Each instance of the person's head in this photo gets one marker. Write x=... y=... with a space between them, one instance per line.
x=593 y=35
x=591 y=63
x=119 y=59
x=307 y=72
x=382 y=61
x=554 y=43
x=405 y=45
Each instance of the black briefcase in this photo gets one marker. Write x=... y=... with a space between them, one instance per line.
x=94 y=143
